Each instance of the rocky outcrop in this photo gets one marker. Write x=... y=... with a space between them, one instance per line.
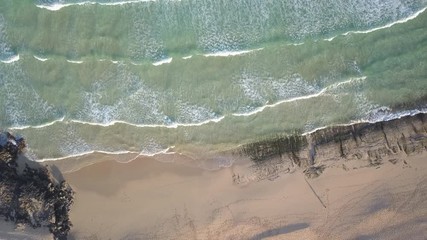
x=10 y=146
x=350 y=147
x=30 y=195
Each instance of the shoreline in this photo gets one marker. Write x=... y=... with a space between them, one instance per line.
x=170 y=119
x=334 y=195
x=153 y=200
x=354 y=181
x=199 y=159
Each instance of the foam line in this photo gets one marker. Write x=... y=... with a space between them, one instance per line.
x=176 y=125
x=164 y=61
x=391 y=116
x=11 y=60
x=74 y=61
x=59 y=6
x=260 y=109
x=38 y=126
x=40 y=58
x=230 y=53
x=413 y=16
x=295 y=44
x=139 y=154
x=86 y=153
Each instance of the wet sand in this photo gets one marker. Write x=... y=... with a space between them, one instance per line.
x=147 y=199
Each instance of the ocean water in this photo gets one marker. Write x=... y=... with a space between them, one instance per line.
x=203 y=76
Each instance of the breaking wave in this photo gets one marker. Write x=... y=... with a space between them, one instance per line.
x=413 y=16
x=230 y=53
x=321 y=92
x=11 y=59
x=59 y=6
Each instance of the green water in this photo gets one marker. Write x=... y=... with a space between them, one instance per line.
x=354 y=77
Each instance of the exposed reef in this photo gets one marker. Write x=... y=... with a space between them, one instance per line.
x=277 y=146
x=29 y=193
x=347 y=147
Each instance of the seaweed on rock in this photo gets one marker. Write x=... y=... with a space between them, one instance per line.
x=262 y=150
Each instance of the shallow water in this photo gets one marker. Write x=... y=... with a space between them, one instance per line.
x=142 y=76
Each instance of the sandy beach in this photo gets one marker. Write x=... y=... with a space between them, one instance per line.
x=147 y=199
x=197 y=119
x=361 y=181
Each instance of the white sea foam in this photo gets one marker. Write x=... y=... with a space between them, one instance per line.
x=11 y=59
x=213 y=120
x=38 y=126
x=124 y=2
x=295 y=44
x=330 y=39
x=59 y=6
x=175 y=125
x=138 y=154
x=390 y=24
x=334 y=125
x=40 y=58
x=386 y=114
x=187 y=57
x=87 y=153
x=413 y=16
x=74 y=61
x=321 y=92
x=53 y=7
x=164 y=151
x=384 y=117
x=164 y=61
x=230 y=53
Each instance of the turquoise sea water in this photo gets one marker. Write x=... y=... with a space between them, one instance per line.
x=203 y=75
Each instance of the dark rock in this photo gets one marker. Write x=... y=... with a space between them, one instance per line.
x=314 y=171
x=32 y=196
x=10 y=147
x=278 y=146
x=361 y=145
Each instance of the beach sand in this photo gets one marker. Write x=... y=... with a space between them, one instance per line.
x=148 y=199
